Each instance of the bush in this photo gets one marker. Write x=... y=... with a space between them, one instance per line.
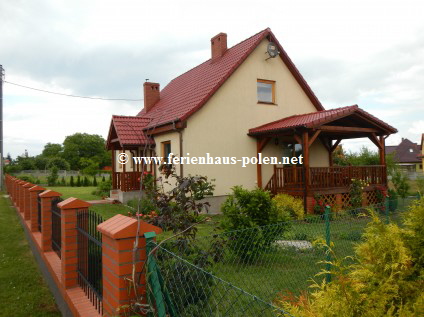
x=245 y=209
x=53 y=177
x=27 y=178
x=71 y=182
x=86 y=182
x=386 y=279
x=63 y=181
x=289 y=206
x=78 y=184
x=103 y=190
x=94 y=181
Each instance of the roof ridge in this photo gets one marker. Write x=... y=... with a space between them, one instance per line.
x=206 y=61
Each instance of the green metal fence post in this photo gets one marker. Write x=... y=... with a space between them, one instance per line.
x=327 y=241
x=387 y=205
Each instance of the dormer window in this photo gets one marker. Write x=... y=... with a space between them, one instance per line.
x=266 y=91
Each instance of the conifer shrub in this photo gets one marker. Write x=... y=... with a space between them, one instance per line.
x=387 y=278
x=71 y=181
x=78 y=184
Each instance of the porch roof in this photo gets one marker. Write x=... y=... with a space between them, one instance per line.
x=128 y=131
x=358 y=118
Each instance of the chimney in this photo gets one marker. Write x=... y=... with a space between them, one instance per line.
x=218 y=45
x=151 y=95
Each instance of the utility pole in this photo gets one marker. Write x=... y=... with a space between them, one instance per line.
x=1 y=126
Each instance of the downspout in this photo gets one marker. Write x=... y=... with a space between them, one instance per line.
x=180 y=148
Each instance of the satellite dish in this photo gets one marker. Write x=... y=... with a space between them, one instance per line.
x=272 y=50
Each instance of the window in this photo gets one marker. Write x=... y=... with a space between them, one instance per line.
x=166 y=149
x=266 y=91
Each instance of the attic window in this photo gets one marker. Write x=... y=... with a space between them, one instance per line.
x=266 y=91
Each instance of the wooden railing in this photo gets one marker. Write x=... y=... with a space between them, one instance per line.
x=325 y=177
x=126 y=181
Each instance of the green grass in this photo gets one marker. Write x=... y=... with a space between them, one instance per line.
x=22 y=289
x=83 y=193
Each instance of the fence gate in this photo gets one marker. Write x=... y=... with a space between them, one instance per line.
x=56 y=226
x=39 y=211
x=90 y=256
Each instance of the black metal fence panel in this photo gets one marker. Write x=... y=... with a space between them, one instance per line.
x=90 y=256
x=56 y=226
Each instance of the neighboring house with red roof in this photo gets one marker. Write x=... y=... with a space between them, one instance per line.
x=251 y=101
x=408 y=155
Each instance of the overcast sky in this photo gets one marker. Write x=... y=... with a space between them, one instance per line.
x=369 y=53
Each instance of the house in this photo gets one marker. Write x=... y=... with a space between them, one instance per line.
x=408 y=155
x=250 y=101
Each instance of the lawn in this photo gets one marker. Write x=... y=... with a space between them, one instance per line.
x=22 y=289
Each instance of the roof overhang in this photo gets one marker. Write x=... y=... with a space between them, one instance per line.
x=340 y=123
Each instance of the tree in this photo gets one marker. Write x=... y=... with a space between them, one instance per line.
x=364 y=157
x=52 y=150
x=89 y=166
x=41 y=162
x=26 y=163
x=71 y=182
x=59 y=162
x=84 y=145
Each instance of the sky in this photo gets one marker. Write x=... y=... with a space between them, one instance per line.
x=369 y=53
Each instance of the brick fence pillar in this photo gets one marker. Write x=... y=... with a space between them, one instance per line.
x=118 y=236
x=69 y=209
x=25 y=200
x=33 y=206
x=19 y=194
x=46 y=219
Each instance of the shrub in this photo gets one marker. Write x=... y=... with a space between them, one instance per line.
x=94 y=181
x=386 y=279
x=103 y=179
x=78 y=184
x=63 y=181
x=27 y=178
x=53 y=177
x=400 y=182
x=86 y=182
x=245 y=209
x=355 y=190
x=103 y=189
x=289 y=206
x=71 y=182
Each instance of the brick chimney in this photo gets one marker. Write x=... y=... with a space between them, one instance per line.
x=151 y=95
x=218 y=45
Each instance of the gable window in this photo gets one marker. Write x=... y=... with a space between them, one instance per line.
x=266 y=91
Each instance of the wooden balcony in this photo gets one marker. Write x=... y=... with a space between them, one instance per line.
x=126 y=181
x=292 y=179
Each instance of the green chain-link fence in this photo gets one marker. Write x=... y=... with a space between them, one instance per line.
x=242 y=273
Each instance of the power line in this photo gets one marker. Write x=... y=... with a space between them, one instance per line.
x=69 y=95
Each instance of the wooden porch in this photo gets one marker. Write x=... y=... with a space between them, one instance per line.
x=126 y=181
x=324 y=179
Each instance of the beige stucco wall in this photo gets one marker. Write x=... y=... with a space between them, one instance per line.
x=221 y=126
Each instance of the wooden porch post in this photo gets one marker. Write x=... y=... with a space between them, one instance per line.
x=305 y=146
x=260 y=144
x=382 y=152
x=113 y=169
x=258 y=166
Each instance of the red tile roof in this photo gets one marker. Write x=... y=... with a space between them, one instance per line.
x=129 y=130
x=185 y=94
x=315 y=119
